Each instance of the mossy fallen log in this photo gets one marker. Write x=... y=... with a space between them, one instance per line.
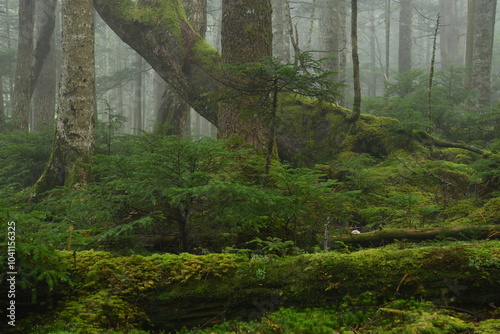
x=386 y=236
x=166 y=291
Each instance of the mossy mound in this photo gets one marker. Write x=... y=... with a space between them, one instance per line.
x=325 y=132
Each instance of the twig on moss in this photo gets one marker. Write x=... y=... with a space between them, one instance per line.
x=458 y=309
x=400 y=284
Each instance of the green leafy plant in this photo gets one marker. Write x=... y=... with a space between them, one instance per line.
x=276 y=246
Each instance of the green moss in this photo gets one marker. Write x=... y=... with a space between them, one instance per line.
x=456 y=211
x=102 y=310
x=205 y=54
x=456 y=155
x=155 y=13
x=489 y=213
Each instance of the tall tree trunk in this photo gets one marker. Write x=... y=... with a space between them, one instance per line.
x=246 y=37
x=356 y=108
x=74 y=138
x=8 y=37
x=480 y=32
x=431 y=77
x=388 y=12
x=119 y=66
x=44 y=83
x=158 y=89
x=372 y=85
x=333 y=32
x=281 y=37
x=452 y=32
x=292 y=31
x=22 y=90
x=246 y=31
x=172 y=113
x=311 y=25
x=405 y=35
x=196 y=131
x=173 y=110
x=137 y=115
x=3 y=115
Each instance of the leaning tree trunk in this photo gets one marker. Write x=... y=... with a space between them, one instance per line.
x=22 y=90
x=167 y=41
x=74 y=138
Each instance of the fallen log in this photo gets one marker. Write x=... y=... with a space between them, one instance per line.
x=386 y=236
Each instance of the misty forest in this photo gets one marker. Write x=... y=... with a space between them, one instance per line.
x=249 y=166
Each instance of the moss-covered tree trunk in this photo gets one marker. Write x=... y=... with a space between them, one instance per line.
x=246 y=38
x=74 y=138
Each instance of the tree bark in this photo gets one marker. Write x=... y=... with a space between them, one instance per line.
x=480 y=33
x=388 y=14
x=22 y=90
x=333 y=32
x=173 y=110
x=119 y=66
x=246 y=37
x=8 y=37
x=43 y=82
x=281 y=37
x=45 y=20
x=3 y=115
x=356 y=108
x=405 y=35
x=137 y=114
x=452 y=33
x=172 y=113
x=74 y=138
